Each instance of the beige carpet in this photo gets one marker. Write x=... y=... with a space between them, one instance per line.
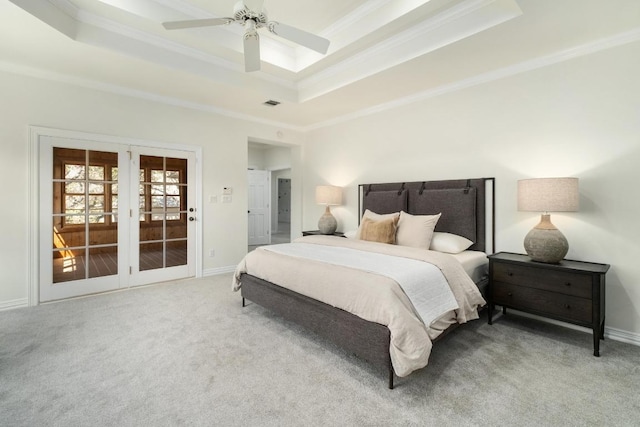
x=189 y=354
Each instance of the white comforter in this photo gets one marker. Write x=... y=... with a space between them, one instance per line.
x=369 y=295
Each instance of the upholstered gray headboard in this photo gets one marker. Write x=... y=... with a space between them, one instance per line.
x=466 y=205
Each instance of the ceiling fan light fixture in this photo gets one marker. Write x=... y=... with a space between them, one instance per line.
x=242 y=13
x=253 y=16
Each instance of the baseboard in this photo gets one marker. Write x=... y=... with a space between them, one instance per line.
x=15 y=303
x=620 y=335
x=611 y=333
x=218 y=271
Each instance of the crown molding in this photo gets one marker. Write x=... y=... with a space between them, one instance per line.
x=133 y=93
x=523 y=67
x=447 y=27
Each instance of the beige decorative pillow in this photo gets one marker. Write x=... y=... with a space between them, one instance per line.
x=416 y=231
x=383 y=231
x=376 y=217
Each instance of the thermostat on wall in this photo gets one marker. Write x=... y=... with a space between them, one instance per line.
x=227 y=191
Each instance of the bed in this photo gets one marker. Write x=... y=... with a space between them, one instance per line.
x=465 y=208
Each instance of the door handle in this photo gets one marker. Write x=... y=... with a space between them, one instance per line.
x=191 y=218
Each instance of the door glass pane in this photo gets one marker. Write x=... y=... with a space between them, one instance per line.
x=74 y=170
x=103 y=261
x=68 y=265
x=151 y=256
x=176 y=230
x=176 y=253
x=101 y=235
x=151 y=233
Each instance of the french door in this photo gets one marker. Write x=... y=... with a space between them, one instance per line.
x=112 y=216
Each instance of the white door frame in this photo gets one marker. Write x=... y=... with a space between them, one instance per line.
x=35 y=133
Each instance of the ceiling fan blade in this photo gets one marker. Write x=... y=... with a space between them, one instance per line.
x=255 y=5
x=317 y=43
x=194 y=23
x=251 y=51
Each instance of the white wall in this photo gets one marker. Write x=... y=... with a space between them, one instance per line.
x=28 y=101
x=577 y=118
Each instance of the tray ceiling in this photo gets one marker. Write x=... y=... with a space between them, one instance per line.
x=381 y=51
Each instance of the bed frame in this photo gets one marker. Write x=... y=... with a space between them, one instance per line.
x=467 y=208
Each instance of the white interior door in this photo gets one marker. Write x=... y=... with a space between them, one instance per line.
x=259 y=210
x=112 y=216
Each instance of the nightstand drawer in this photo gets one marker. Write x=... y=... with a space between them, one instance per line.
x=543 y=302
x=563 y=282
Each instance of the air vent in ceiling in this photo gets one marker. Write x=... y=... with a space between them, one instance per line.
x=271 y=103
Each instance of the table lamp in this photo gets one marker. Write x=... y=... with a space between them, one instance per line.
x=328 y=195
x=545 y=243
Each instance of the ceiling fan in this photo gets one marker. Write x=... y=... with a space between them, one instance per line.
x=252 y=15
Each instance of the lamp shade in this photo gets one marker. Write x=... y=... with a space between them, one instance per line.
x=328 y=195
x=548 y=195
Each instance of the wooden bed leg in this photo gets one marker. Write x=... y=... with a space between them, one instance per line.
x=390 y=376
x=243 y=304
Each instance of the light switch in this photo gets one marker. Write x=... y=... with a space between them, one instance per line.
x=227 y=191
x=213 y=199
x=226 y=199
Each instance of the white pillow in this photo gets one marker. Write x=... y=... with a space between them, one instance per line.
x=449 y=243
x=375 y=217
x=416 y=230
x=351 y=234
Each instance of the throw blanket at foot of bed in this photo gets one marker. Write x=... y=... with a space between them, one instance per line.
x=370 y=295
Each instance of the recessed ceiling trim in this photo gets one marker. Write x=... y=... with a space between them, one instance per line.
x=363 y=21
x=52 y=15
x=355 y=17
x=449 y=26
x=139 y=94
x=158 y=11
x=146 y=38
x=67 y=7
x=99 y=31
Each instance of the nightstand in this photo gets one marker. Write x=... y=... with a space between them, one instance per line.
x=318 y=233
x=571 y=291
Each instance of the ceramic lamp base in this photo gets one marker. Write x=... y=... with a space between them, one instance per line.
x=327 y=223
x=545 y=243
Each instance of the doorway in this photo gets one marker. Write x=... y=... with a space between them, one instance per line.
x=276 y=161
x=113 y=215
x=282 y=233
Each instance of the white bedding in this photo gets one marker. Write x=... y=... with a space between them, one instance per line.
x=475 y=264
x=424 y=283
x=370 y=296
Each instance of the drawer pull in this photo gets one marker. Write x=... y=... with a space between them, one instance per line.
x=567 y=306
x=568 y=284
x=509 y=273
x=509 y=294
